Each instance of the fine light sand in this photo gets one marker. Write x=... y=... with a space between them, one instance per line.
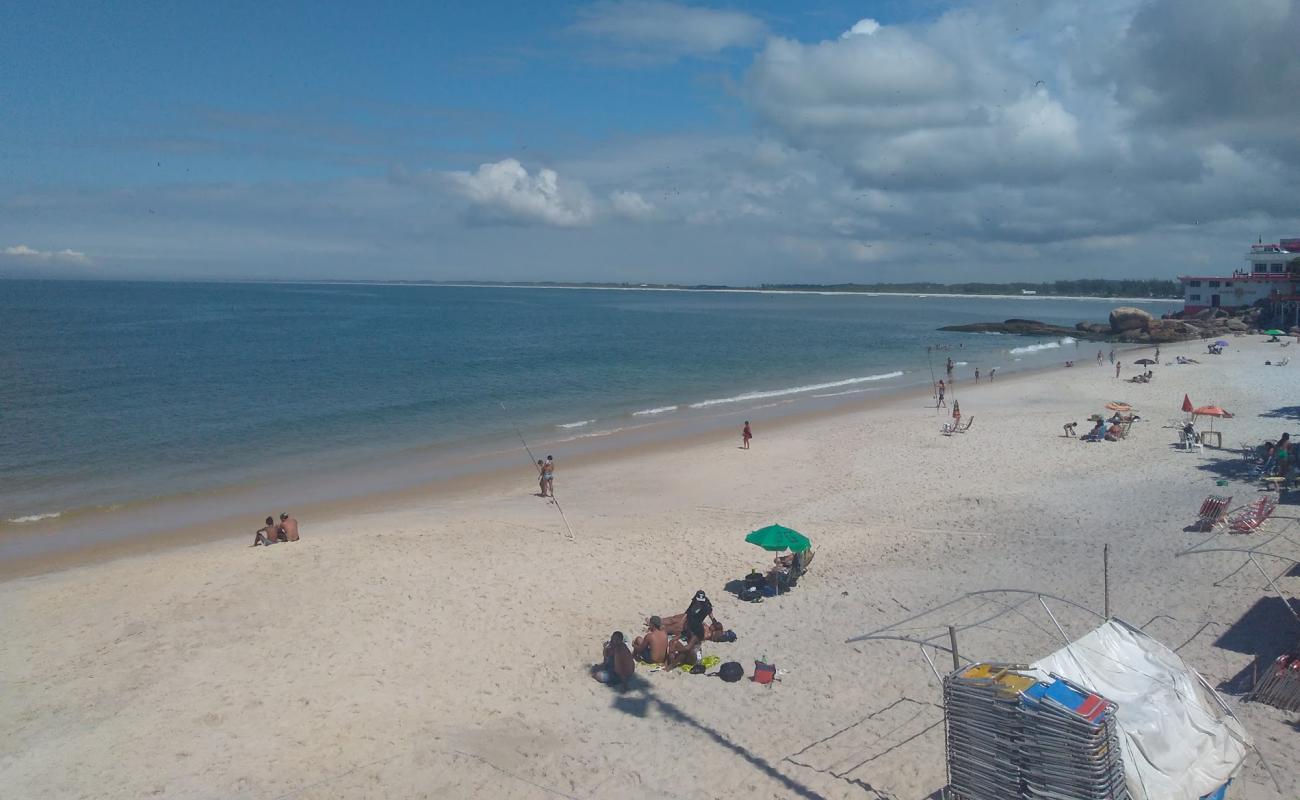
x=440 y=648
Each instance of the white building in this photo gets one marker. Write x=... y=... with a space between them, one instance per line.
x=1267 y=278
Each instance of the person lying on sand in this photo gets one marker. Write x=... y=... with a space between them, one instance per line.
x=652 y=648
x=675 y=624
x=267 y=535
x=288 y=527
x=617 y=665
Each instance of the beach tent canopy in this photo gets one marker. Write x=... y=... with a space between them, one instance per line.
x=1178 y=739
x=1274 y=332
x=777 y=538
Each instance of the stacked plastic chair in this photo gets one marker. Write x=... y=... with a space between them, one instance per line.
x=1071 y=744
x=984 y=741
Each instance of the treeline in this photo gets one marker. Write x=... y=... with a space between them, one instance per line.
x=1088 y=287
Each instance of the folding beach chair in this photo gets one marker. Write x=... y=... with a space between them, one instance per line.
x=969 y=421
x=1213 y=512
x=1252 y=517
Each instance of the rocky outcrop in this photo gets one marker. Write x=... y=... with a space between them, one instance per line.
x=1163 y=331
x=1126 y=318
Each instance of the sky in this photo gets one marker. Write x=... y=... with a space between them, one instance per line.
x=647 y=140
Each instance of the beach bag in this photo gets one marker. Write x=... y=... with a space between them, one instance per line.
x=727 y=636
x=751 y=594
x=731 y=671
x=764 y=673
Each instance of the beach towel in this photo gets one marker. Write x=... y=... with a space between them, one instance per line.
x=709 y=662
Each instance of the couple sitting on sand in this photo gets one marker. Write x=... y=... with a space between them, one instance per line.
x=286 y=531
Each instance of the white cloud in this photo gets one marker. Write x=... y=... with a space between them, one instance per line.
x=863 y=27
x=661 y=31
x=23 y=254
x=631 y=205
x=504 y=191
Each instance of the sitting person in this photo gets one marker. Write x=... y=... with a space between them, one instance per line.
x=617 y=665
x=684 y=649
x=1098 y=431
x=267 y=535
x=1113 y=433
x=652 y=648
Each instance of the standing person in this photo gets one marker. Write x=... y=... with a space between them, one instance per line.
x=992 y=372
x=1118 y=364
x=745 y=435
x=956 y=413
x=1157 y=355
x=977 y=374
x=289 y=526
x=949 y=367
x=942 y=389
x=1099 y=358
x=548 y=472
x=699 y=610
x=1112 y=356
x=541 y=478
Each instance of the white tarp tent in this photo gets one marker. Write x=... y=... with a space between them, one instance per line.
x=1178 y=741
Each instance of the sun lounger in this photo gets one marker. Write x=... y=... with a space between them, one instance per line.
x=1282 y=363
x=1252 y=517
x=1213 y=512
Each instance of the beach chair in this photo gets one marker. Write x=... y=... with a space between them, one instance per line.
x=1187 y=441
x=969 y=421
x=1213 y=512
x=1283 y=362
x=1252 y=517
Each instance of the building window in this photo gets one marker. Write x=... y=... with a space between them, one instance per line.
x=1195 y=298
x=1227 y=284
x=1214 y=284
x=1197 y=284
x=1276 y=267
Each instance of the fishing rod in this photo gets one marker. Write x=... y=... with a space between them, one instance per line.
x=532 y=461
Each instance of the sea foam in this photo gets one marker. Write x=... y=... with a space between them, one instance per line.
x=812 y=387
x=652 y=411
x=1034 y=348
x=579 y=424
x=35 y=517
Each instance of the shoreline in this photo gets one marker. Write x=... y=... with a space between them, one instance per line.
x=503 y=471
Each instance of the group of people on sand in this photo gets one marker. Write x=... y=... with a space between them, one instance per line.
x=271 y=533
x=1280 y=458
x=667 y=642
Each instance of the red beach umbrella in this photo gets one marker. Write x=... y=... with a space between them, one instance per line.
x=1210 y=411
x=1187 y=404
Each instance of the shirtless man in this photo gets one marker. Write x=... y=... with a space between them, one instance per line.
x=267 y=535
x=618 y=663
x=541 y=478
x=684 y=649
x=548 y=472
x=652 y=648
x=289 y=526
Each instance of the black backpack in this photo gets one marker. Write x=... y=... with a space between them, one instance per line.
x=731 y=671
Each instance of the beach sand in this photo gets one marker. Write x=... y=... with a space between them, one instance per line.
x=439 y=645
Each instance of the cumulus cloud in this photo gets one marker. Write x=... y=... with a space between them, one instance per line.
x=25 y=255
x=505 y=192
x=863 y=27
x=662 y=31
x=631 y=205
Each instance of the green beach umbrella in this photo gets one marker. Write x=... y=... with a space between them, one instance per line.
x=1274 y=332
x=777 y=538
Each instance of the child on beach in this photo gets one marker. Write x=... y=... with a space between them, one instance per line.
x=745 y=435
x=956 y=413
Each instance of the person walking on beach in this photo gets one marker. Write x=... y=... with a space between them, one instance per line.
x=977 y=374
x=942 y=389
x=541 y=478
x=1118 y=364
x=745 y=435
x=548 y=474
x=1157 y=359
x=1112 y=356
x=949 y=367
x=289 y=527
x=956 y=413
x=992 y=372
x=1099 y=358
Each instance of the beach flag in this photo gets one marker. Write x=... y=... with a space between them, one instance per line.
x=1187 y=404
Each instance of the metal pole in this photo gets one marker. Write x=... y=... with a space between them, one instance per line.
x=952 y=637
x=1105 y=578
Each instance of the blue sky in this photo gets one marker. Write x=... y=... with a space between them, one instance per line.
x=639 y=140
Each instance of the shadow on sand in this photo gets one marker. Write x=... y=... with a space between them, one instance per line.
x=638 y=701
x=1265 y=631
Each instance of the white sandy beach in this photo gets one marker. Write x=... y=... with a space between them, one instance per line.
x=441 y=648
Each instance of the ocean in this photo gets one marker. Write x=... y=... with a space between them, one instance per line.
x=118 y=394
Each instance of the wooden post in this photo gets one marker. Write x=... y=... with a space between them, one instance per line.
x=1105 y=578
x=952 y=637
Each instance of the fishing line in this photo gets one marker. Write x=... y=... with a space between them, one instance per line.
x=532 y=461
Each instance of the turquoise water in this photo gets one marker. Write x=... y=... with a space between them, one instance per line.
x=123 y=392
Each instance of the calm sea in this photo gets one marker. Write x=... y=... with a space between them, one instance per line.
x=122 y=393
